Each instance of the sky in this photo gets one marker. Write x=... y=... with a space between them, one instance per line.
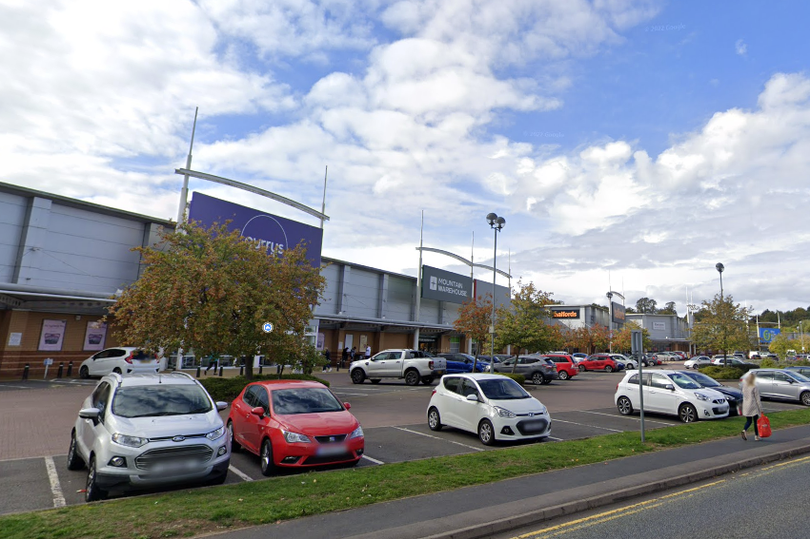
x=630 y=145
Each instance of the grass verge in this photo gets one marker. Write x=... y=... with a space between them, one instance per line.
x=189 y=513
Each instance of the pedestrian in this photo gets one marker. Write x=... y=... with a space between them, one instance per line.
x=751 y=406
x=328 y=365
x=213 y=363
x=368 y=351
x=344 y=357
x=353 y=353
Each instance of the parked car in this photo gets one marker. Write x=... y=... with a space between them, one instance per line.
x=579 y=356
x=411 y=365
x=458 y=362
x=493 y=406
x=627 y=362
x=804 y=371
x=121 y=360
x=670 y=392
x=782 y=384
x=294 y=424
x=598 y=362
x=720 y=360
x=147 y=431
x=534 y=368
x=733 y=396
x=566 y=368
x=697 y=362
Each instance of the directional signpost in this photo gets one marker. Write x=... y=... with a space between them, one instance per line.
x=637 y=351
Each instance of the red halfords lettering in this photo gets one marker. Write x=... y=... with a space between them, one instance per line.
x=451 y=287
x=564 y=314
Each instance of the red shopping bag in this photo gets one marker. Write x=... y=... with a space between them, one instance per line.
x=764 y=426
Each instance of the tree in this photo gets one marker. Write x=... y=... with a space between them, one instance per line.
x=669 y=308
x=721 y=325
x=474 y=319
x=523 y=325
x=646 y=306
x=622 y=339
x=589 y=338
x=211 y=291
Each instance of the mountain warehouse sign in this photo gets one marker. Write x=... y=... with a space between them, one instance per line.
x=445 y=286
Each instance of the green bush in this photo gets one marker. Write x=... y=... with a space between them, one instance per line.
x=227 y=389
x=519 y=378
x=768 y=363
x=724 y=373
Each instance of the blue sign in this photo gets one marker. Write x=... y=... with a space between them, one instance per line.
x=264 y=230
x=767 y=335
x=267 y=327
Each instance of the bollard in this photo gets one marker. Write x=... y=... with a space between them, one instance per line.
x=260 y=368
x=70 y=369
x=61 y=368
x=241 y=370
x=25 y=371
x=198 y=370
x=220 y=370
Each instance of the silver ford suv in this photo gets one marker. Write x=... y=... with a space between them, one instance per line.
x=147 y=431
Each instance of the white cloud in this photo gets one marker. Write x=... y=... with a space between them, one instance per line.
x=740 y=47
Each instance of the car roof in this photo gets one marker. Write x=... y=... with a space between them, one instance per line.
x=480 y=376
x=288 y=384
x=151 y=379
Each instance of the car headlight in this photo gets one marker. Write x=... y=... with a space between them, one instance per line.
x=356 y=433
x=214 y=434
x=701 y=397
x=503 y=412
x=129 y=441
x=294 y=437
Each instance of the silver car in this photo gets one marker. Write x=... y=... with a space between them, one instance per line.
x=782 y=384
x=147 y=431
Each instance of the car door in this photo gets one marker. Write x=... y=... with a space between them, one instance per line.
x=253 y=423
x=97 y=363
x=240 y=415
x=660 y=399
x=764 y=383
x=784 y=386
x=469 y=411
x=450 y=401
x=91 y=429
x=381 y=365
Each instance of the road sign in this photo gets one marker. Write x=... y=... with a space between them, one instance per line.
x=267 y=327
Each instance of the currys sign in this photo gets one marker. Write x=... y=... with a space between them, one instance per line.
x=265 y=231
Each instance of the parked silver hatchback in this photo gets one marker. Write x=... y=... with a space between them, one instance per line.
x=147 y=431
x=783 y=384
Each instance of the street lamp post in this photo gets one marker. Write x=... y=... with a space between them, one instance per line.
x=496 y=223
x=720 y=267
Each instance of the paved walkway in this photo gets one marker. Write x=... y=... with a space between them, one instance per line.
x=508 y=505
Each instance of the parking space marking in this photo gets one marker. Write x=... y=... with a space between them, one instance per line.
x=626 y=417
x=584 y=425
x=15 y=387
x=375 y=461
x=238 y=472
x=437 y=438
x=556 y=439
x=56 y=488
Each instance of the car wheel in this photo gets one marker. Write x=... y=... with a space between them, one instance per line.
x=74 y=461
x=624 y=405
x=434 y=420
x=375 y=380
x=608 y=369
x=563 y=375
x=117 y=370
x=358 y=376
x=427 y=380
x=92 y=492
x=236 y=447
x=412 y=377
x=486 y=433
x=582 y=368
x=687 y=413
x=266 y=458
x=84 y=373
x=805 y=398
x=537 y=378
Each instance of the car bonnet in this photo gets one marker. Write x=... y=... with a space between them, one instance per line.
x=169 y=425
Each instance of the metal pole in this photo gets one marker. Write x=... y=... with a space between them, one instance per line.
x=418 y=285
x=492 y=327
x=323 y=204
x=181 y=209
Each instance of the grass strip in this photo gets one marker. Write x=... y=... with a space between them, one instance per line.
x=187 y=513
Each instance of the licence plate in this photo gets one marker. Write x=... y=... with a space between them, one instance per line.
x=330 y=450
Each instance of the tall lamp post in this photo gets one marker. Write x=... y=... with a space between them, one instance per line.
x=720 y=267
x=496 y=223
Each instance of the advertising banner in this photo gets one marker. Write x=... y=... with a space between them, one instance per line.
x=618 y=313
x=445 y=286
x=264 y=230
x=565 y=314
x=53 y=333
x=95 y=336
x=767 y=335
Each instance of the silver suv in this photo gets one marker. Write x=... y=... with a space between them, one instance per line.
x=146 y=431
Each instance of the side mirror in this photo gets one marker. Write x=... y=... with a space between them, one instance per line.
x=259 y=411
x=347 y=405
x=221 y=405
x=670 y=387
x=472 y=397
x=89 y=413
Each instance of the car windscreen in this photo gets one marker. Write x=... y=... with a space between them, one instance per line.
x=704 y=380
x=160 y=400
x=683 y=381
x=505 y=389
x=305 y=400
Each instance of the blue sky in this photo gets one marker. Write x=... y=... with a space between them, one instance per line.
x=630 y=144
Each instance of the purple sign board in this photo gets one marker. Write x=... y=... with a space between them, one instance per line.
x=264 y=230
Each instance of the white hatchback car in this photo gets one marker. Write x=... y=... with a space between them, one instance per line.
x=491 y=405
x=670 y=393
x=121 y=360
x=697 y=362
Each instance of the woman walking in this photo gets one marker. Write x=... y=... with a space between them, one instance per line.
x=751 y=406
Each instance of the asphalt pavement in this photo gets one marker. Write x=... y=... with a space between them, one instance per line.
x=486 y=510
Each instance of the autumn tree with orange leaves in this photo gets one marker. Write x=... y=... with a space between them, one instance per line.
x=474 y=319
x=211 y=291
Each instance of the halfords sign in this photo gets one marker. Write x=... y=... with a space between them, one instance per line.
x=445 y=286
x=263 y=230
x=564 y=313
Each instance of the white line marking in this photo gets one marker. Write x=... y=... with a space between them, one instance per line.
x=375 y=461
x=556 y=439
x=584 y=425
x=56 y=489
x=648 y=420
x=437 y=438
x=15 y=387
x=243 y=475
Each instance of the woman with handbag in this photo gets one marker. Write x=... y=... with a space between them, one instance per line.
x=751 y=407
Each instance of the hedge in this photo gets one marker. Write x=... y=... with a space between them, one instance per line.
x=227 y=389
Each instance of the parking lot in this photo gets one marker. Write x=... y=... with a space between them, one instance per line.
x=38 y=416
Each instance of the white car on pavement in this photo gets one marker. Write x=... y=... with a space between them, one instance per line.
x=670 y=392
x=121 y=360
x=491 y=405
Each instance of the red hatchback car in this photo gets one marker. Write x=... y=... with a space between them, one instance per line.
x=294 y=424
x=598 y=362
x=566 y=368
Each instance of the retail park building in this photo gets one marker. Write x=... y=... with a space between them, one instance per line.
x=62 y=261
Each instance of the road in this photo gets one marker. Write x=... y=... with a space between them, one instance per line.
x=765 y=502
x=38 y=417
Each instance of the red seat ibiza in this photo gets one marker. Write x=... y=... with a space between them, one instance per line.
x=294 y=424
